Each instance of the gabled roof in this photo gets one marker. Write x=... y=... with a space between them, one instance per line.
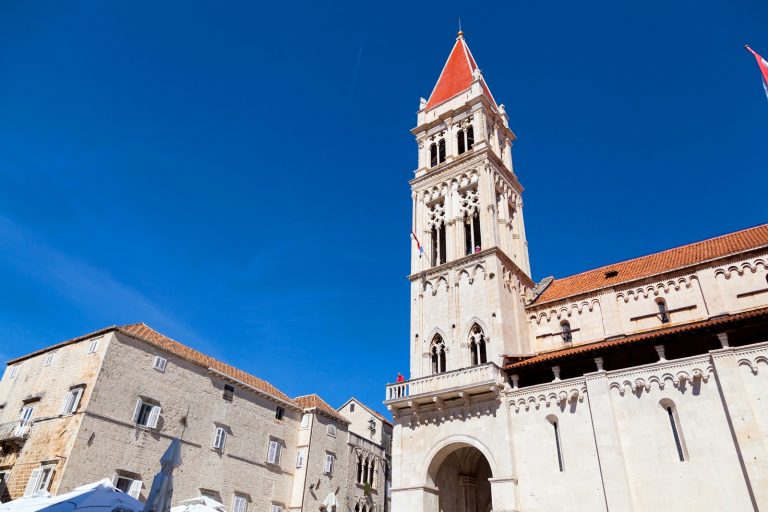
x=313 y=401
x=652 y=264
x=148 y=335
x=456 y=76
x=361 y=404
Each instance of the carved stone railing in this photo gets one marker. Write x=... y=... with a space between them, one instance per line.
x=14 y=431
x=457 y=380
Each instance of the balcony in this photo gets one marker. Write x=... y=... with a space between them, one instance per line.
x=457 y=383
x=14 y=431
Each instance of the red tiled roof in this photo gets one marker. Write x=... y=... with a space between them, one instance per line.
x=148 y=335
x=665 y=261
x=456 y=76
x=313 y=401
x=644 y=336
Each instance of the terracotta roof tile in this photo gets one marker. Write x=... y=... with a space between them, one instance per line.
x=456 y=76
x=644 y=336
x=313 y=401
x=665 y=261
x=148 y=335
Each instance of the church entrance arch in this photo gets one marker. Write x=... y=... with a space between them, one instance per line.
x=460 y=472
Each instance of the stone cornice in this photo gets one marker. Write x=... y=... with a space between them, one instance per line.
x=472 y=258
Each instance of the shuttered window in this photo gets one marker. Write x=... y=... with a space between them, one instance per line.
x=71 y=400
x=39 y=480
x=299 y=459
x=219 y=438
x=159 y=364
x=239 y=504
x=273 y=454
x=328 y=467
x=146 y=414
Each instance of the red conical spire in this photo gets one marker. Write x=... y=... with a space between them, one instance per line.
x=457 y=75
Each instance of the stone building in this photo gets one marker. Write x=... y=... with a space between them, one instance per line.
x=107 y=404
x=637 y=386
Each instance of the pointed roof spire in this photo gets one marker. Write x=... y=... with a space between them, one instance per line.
x=459 y=72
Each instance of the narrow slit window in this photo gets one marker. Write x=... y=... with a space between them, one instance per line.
x=558 y=447
x=441 y=150
x=675 y=433
x=432 y=155
x=663 y=311
x=460 y=141
x=470 y=137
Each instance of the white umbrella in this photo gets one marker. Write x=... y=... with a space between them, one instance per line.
x=99 y=496
x=199 y=504
x=161 y=493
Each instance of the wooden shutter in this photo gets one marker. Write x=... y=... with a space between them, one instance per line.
x=76 y=399
x=34 y=481
x=135 y=489
x=154 y=415
x=66 y=405
x=272 y=455
x=299 y=458
x=136 y=410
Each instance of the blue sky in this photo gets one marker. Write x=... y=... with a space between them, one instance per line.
x=235 y=174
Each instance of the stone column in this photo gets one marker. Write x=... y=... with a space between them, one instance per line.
x=748 y=436
x=468 y=486
x=487 y=209
x=415 y=499
x=610 y=456
x=504 y=494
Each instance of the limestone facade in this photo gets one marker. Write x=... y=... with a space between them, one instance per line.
x=241 y=437
x=634 y=387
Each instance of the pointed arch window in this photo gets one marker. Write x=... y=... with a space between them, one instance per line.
x=663 y=311
x=465 y=139
x=460 y=141
x=565 y=331
x=437 y=354
x=441 y=151
x=437 y=233
x=432 y=155
x=477 y=345
x=470 y=206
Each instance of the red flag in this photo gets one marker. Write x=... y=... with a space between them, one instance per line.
x=763 y=65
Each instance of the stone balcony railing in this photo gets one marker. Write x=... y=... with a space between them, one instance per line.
x=14 y=431
x=481 y=377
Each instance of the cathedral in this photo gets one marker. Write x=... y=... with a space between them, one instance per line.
x=638 y=386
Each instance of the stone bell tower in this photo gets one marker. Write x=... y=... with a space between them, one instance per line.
x=466 y=284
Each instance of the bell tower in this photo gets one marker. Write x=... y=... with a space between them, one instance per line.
x=469 y=280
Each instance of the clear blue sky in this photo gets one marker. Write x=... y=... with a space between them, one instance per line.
x=234 y=174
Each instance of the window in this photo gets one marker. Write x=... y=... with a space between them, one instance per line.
x=432 y=155
x=219 y=438
x=4 y=486
x=49 y=359
x=470 y=207
x=331 y=429
x=557 y=445
x=477 y=345
x=14 y=371
x=26 y=415
x=93 y=346
x=441 y=150
x=213 y=495
x=437 y=233
x=465 y=139
x=39 y=480
x=305 y=421
x=351 y=407
x=279 y=413
x=273 y=453
x=328 y=466
x=299 y=459
x=239 y=504
x=130 y=486
x=71 y=400
x=669 y=407
x=146 y=414
x=566 y=333
x=276 y=508
x=229 y=392
x=437 y=354
x=663 y=311
x=372 y=426
x=159 y=364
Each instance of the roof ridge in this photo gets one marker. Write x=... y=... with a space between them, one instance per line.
x=620 y=262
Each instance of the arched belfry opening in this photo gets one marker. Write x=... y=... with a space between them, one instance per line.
x=461 y=474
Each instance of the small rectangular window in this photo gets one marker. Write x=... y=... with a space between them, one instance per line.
x=39 y=480
x=3 y=484
x=130 y=486
x=159 y=364
x=328 y=466
x=219 y=438
x=14 y=371
x=146 y=414
x=299 y=459
x=273 y=454
x=239 y=504
x=71 y=400
x=229 y=392
x=331 y=430
x=93 y=346
x=351 y=407
x=279 y=413
x=26 y=414
x=49 y=359
x=276 y=508
x=305 y=421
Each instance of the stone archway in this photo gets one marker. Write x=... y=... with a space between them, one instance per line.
x=460 y=473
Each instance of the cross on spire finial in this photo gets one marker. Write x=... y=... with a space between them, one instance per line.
x=461 y=33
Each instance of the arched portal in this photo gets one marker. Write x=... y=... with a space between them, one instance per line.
x=460 y=473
